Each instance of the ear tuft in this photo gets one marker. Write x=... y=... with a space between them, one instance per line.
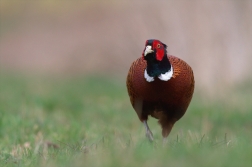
x=165 y=46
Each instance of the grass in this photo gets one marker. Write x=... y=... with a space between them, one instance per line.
x=89 y=122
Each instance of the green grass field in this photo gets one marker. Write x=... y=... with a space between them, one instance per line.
x=89 y=122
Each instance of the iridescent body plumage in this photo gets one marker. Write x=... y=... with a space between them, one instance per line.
x=165 y=100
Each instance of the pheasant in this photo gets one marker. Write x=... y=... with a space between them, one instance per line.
x=159 y=85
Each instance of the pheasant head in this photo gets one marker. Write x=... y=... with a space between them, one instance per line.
x=158 y=65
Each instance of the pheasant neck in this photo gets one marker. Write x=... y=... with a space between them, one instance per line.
x=161 y=69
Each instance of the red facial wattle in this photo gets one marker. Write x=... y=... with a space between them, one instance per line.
x=159 y=54
x=159 y=50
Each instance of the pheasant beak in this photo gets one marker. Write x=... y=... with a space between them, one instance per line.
x=148 y=50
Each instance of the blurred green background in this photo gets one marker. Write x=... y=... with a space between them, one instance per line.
x=63 y=97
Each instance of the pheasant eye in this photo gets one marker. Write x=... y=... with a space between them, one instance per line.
x=158 y=45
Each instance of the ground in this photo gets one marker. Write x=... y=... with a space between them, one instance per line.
x=89 y=121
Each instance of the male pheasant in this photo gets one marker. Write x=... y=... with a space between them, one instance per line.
x=160 y=85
